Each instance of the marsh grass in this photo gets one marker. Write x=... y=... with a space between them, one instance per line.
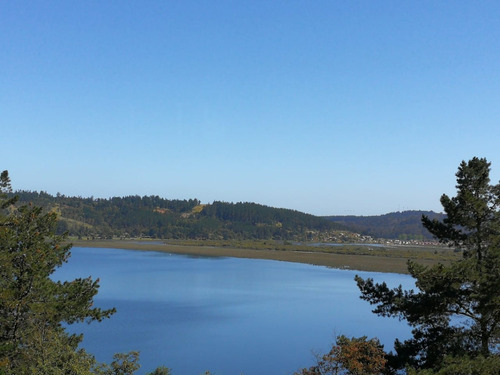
x=344 y=256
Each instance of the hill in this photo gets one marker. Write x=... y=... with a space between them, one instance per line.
x=155 y=217
x=406 y=225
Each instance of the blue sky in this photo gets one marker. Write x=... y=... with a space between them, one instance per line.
x=327 y=107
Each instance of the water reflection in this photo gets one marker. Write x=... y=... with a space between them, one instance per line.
x=228 y=315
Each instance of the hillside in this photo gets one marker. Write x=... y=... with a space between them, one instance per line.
x=404 y=225
x=155 y=217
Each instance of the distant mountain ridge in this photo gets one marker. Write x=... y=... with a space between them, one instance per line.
x=405 y=225
x=156 y=217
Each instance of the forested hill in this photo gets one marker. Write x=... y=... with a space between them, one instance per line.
x=155 y=217
x=406 y=225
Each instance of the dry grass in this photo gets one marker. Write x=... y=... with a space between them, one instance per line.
x=389 y=262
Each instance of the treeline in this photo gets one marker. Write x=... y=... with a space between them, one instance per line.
x=406 y=225
x=156 y=217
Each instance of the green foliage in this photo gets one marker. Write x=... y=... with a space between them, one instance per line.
x=122 y=364
x=52 y=351
x=162 y=370
x=456 y=311
x=5 y=189
x=464 y=366
x=406 y=225
x=155 y=217
x=33 y=307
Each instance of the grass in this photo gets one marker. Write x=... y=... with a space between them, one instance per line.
x=198 y=209
x=356 y=257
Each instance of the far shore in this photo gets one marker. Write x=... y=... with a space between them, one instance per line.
x=340 y=261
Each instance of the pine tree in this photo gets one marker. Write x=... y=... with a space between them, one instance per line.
x=455 y=313
x=33 y=307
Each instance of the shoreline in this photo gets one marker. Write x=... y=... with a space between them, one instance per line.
x=340 y=261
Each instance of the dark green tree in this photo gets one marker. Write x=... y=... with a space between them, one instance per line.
x=33 y=307
x=162 y=370
x=122 y=364
x=5 y=188
x=455 y=312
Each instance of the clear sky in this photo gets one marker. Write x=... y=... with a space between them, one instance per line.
x=326 y=107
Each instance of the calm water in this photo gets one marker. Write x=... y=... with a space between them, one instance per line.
x=226 y=315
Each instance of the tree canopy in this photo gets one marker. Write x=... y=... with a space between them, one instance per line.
x=405 y=225
x=33 y=307
x=356 y=356
x=155 y=217
x=455 y=312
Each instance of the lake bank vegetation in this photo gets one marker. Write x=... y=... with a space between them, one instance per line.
x=454 y=311
x=344 y=256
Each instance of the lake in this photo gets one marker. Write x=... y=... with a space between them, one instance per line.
x=227 y=315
